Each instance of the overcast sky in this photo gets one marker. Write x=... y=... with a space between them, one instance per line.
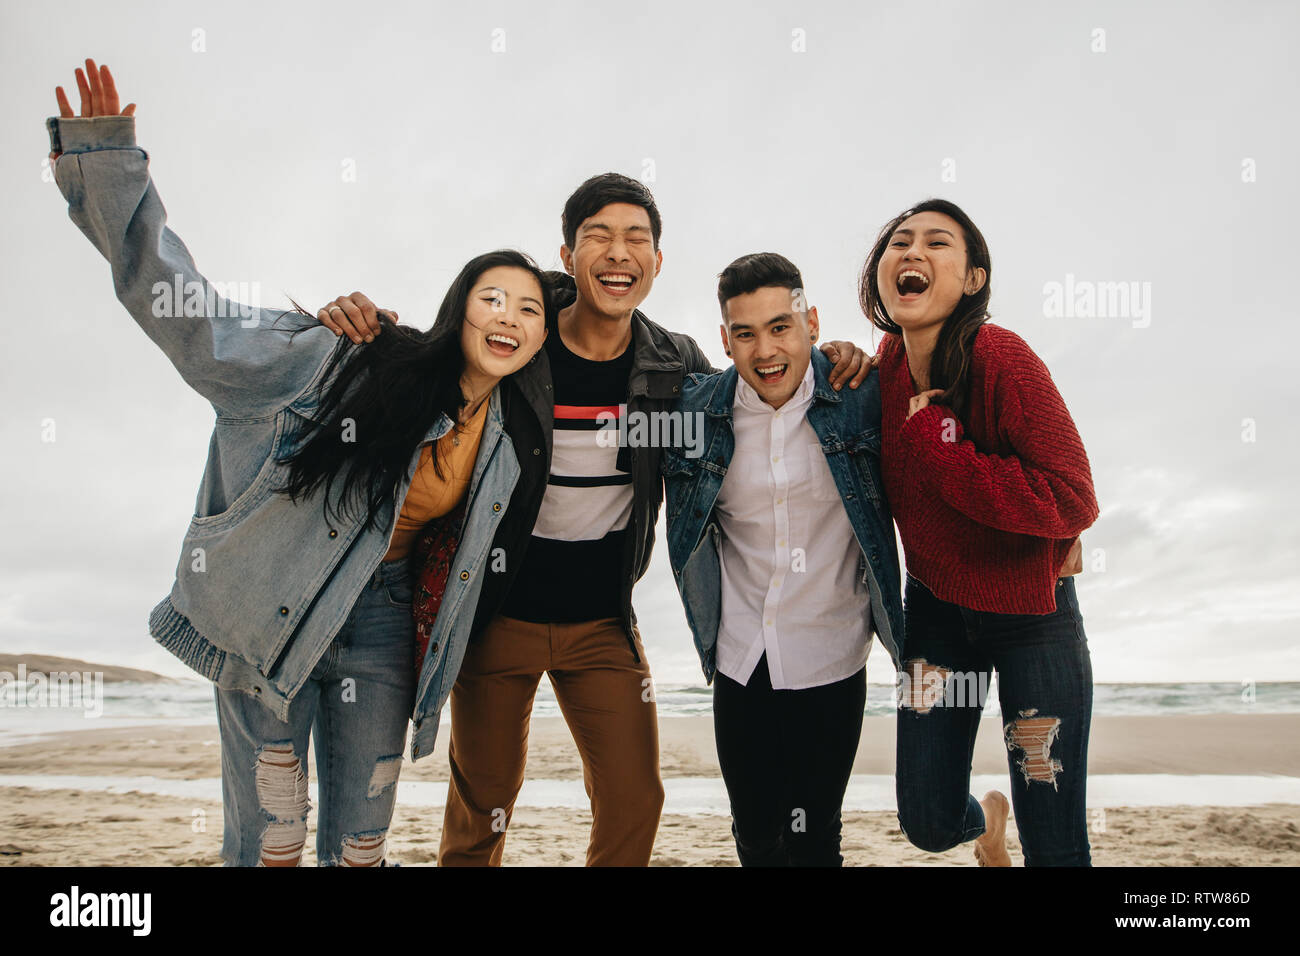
x=1111 y=143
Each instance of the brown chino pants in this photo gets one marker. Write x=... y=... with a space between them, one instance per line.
x=608 y=702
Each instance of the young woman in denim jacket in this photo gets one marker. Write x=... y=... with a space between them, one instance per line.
x=990 y=486
x=292 y=593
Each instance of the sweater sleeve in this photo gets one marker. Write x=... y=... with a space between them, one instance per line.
x=1044 y=488
x=241 y=358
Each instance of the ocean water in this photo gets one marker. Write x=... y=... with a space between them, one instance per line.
x=28 y=712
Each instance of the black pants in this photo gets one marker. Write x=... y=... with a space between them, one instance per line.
x=786 y=756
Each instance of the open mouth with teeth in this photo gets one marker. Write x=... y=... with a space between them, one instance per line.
x=499 y=343
x=912 y=285
x=617 y=283
x=771 y=374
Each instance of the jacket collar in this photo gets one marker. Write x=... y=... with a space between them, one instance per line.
x=723 y=395
x=494 y=419
x=821 y=378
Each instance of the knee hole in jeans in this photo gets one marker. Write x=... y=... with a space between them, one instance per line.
x=282 y=793
x=921 y=685
x=1033 y=735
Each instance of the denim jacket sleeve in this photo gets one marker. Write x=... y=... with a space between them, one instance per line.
x=240 y=358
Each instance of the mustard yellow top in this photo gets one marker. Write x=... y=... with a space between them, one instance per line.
x=431 y=496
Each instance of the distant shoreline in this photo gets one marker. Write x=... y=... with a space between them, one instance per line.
x=46 y=664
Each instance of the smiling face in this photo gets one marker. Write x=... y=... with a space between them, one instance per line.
x=614 y=261
x=923 y=274
x=770 y=342
x=505 y=322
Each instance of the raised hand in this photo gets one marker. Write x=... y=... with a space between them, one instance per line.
x=98 y=95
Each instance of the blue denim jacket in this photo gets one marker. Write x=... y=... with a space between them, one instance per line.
x=263 y=585
x=847 y=423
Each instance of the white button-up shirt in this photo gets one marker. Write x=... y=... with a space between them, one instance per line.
x=790 y=585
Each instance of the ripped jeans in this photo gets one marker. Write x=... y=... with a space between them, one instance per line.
x=1044 y=679
x=356 y=705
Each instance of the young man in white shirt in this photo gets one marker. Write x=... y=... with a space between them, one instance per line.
x=783 y=549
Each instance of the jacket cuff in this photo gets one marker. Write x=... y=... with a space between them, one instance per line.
x=79 y=134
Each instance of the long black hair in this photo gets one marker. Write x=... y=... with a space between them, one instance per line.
x=950 y=363
x=378 y=400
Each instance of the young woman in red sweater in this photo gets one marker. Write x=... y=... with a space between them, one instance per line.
x=990 y=486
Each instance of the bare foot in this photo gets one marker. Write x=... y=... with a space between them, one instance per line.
x=991 y=846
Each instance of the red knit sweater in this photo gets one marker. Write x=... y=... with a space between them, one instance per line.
x=988 y=507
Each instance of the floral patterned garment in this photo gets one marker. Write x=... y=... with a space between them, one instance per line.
x=431 y=559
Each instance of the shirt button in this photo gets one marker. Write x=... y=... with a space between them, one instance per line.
x=776 y=458
x=464 y=575
x=779 y=500
x=433 y=648
x=496 y=506
x=537 y=451
x=284 y=612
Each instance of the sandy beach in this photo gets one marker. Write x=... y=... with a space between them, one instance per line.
x=61 y=825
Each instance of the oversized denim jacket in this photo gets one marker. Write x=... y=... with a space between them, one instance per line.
x=847 y=423
x=262 y=585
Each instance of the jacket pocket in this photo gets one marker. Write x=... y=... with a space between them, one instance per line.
x=679 y=474
x=675 y=465
x=820 y=476
x=247 y=500
x=864 y=452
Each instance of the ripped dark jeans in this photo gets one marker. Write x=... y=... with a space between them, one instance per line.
x=1044 y=679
